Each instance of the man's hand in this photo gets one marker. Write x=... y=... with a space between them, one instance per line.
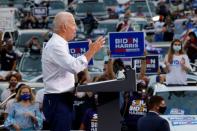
x=94 y=47
x=97 y=45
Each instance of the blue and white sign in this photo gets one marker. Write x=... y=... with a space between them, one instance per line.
x=126 y=44
x=78 y=48
x=185 y=120
x=39 y=11
x=152 y=64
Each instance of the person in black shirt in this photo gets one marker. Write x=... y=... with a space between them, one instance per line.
x=168 y=30
x=8 y=57
x=90 y=22
x=134 y=107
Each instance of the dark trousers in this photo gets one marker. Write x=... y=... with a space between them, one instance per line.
x=57 y=110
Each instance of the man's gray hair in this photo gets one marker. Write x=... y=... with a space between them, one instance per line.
x=60 y=19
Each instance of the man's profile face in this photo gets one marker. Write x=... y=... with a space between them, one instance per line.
x=71 y=28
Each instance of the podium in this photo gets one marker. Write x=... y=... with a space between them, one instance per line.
x=109 y=111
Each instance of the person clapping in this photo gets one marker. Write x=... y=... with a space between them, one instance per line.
x=25 y=113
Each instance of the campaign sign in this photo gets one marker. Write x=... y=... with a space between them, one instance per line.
x=185 y=120
x=78 y=48
x=126 y=44
x=152 y=64
x=39 y=11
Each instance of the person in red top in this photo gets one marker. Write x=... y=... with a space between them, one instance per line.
x=191 y=47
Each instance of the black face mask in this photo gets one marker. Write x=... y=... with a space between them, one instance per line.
x=162 y=109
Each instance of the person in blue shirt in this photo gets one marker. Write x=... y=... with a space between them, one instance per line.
x=25 y=113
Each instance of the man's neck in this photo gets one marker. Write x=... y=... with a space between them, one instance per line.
x=61 y=35
x=154 y=112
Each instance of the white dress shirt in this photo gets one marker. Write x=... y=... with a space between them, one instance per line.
x=59 y=66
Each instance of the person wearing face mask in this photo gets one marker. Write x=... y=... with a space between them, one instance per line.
x=34 y=45
x=134 y=107
x=176 y=64
x=152 y=121
x=13 y=80
x=25 y=113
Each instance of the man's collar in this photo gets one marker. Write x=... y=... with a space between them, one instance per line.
x=59 y=37
x=154 y=112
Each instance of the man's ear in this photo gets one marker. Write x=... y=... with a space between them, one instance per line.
x=64 y=27
x=157 y=107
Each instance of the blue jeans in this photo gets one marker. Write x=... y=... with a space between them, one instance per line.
x=57 y=109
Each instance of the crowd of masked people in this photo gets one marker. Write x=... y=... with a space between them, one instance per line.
x=138 y=107
x=23 y=110
x=9 y=57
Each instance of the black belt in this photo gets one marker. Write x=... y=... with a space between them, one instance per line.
x=61 y=94
x=66 y=97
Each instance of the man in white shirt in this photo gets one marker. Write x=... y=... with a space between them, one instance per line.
x=59 y=68
x=39 y=97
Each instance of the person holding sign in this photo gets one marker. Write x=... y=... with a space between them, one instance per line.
x=134 y=108
x=59 y=67
x=176 y=64
x=33 y=45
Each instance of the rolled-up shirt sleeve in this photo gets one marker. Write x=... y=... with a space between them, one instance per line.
x=64 y=59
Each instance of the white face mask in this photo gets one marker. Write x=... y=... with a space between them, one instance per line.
x=80 y=94
x=34 y=47
x=177 y=48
